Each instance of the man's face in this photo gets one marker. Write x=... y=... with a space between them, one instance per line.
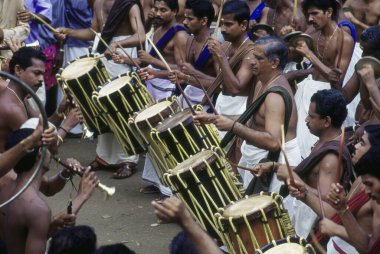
x=314 y=121
x=34 y=74
x=231 y=29
x=372 y=187
x=163 y=13
x=260 y=63
x=317 y=17
x=361 y=148
x=191 y=23
x=270 y=3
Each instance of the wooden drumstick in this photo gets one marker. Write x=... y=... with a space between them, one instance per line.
x=207 y=97
x=109 y=191
x=101 y=40
x=126 y=53
x=215 y=33
x=320 y=199
x=295 y=9
x=284 y=156
x=35 y=16
x=340 y=155
x=169 y=69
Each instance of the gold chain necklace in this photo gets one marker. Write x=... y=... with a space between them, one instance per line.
x=229 y=46
x=326 y=44
x=10 y=89
x=268 y=83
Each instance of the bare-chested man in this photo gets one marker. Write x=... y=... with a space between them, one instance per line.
x=332 y=50
x=281 y=14
x=170 y=39
x=273 y=106
x=362 y=13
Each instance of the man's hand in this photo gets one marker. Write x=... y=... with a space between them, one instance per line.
x=303 y=49
x=75 y=165
x=118 y=58
x=62 y=220
x=49 y=136
x=13 y=43
x=297 y=190
x=171 y=210
x=337 y=197
x=367 y=75
x=282 y=172
x=178 y=75
x=188 y=69
x=24 y=16
x=61 y=33
x=327 y=227
x=262 y=168
x=334 y=75
x=222 y=123
x=203 y=117
x=87 y=184
x=146 y=73
x=145 y=57
x=216 y=48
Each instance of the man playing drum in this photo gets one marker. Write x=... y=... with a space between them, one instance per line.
x=273 y=101
x=119 y=21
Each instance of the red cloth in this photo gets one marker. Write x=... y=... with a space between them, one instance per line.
x=49 y=76
x=375 y=247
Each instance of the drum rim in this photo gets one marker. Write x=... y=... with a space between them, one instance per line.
x=100 y=96
x=291 y=239
x=61 y=70
x=164 y=132
x=198 y=167
x=255 y=214
x=156 y=119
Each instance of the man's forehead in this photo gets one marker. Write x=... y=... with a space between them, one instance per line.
x=161 y=4
x=228 y=18
x=189 y=12
x=258 y=49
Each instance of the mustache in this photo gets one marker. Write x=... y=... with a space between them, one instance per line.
x=158 y=19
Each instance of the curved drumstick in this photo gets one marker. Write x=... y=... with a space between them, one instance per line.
x=101 y=40
x=126 y=53
x=218 y=20
x=108 y=191
x=207 y=97
x=43 y=22
x=340 y=155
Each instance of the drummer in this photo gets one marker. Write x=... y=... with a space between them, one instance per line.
x=119 y=22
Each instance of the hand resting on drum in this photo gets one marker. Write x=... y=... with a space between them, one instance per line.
x=222 y=123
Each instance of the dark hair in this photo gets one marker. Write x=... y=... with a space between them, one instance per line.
x=371 y=37
x=182 y=244
x=74 y=240
x=201 y=8
x=323 y=5
x=330 y=102
x=369 y=163
x=172 y=4
x=27 y=162
x=276 y=48
x=239 y=8
x=23 y=57
x=117 y=248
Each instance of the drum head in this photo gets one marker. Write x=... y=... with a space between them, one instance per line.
x=152 y=111
x=114 y=85
x=247 y=206
x=181 y=117
x=293 y=248
x=79 y=67
x=194 y=162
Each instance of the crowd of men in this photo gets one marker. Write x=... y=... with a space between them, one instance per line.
x=292 y=64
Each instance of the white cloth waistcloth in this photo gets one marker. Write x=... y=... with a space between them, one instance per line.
x=301 y=216
x=343 y=245
x=160 y=88
x=230 y=106
x=194 y=94
x=305 y=91
x=351 y=108
x=150 y=175
x=251 y=155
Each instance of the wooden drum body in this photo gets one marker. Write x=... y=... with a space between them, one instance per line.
x=204 y=185
x=178 y=137
x=293 y=245
x=82 y=77
x=253 y=222
x=147 y=119
x=118 y=100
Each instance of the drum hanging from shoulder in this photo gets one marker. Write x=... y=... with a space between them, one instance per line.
x=292 y=245
x=82 y=77
x=253 y=222
x=178 y=137
x=147 y=119
x=118 y=100
x=204 y=184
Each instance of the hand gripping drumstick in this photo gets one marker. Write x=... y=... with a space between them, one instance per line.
x=207 y=97
x=169 y=69
x=108 y=191
x=101 y=39
x=126 y=53
x=43 y=22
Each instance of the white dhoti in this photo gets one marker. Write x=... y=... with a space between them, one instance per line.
x=194 y=94
x=150 y=175
x=108 y=148
x=305 y=91
x=340 y=245
x=230 y=106
x=160 y=88
x=251 y=155
x=302 y=216
x=351 y=108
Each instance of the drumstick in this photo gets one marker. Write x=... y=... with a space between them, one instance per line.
x=101 y=39
x=218 y=20
x=138 y=35
x=290 y=171
x=239 y=166
x=320 y=199
x=35 y=16
x=207 y=97
x=340 y=155
x=109 y=191
x=126 y=53
x=169 y=69
x=283 y=142
x=295 y=9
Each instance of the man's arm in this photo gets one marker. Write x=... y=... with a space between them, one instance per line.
x=38 y=227
x=327 y=169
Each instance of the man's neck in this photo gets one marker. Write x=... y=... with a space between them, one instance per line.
x=267 y=80
x=329 y=28
x=283 y=5
x=329 y=135
x=237 y=43
x=17 y=89
x=168 y=25
x=203 y=35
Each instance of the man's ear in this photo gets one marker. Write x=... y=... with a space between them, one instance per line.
x=204 y=21
x=18 y=70
x=244 y=25
x=329 y=12
x=275 y=63
x=327 y=121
